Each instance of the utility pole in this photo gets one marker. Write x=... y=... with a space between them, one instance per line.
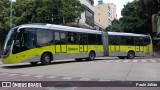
x=10 y=14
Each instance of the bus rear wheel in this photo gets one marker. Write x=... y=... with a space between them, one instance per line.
x=33 y=63
x=92 y=56
x=46 y=59
x=130 y=55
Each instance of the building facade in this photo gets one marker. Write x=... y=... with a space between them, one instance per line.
x=87 y=17
x=105 y=13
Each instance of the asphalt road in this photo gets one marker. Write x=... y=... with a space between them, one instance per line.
x=111 y=69
x=101 y=69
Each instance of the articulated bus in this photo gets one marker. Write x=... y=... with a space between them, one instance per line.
x=47 y=42
x=129 y=45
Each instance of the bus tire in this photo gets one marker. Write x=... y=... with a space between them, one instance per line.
x=130 y=55
x=92 y=56
x=46 y=59
x=33 y=63
x=78 y=59
x=121 y=57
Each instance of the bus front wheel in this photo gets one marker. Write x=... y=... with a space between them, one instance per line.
x=92 y=56
x=130 y=55
x=46 y=59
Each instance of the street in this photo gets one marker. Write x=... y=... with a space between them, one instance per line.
x=101 y=69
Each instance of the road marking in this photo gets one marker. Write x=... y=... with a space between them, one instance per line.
x=135 y=61
x=68 y=78
x=38 y=76
x=109 y=60
x=3 y=73
x=51 y=77
x=144 y=61
x=117 y=61
x=12 y=74
x=153 y=61
x=84 y=79
x=25 y=75
x=126 y=61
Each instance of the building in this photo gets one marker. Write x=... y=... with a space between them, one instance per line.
x=87 y=17
x=104 y=13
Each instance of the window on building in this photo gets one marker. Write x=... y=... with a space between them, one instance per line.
x=89 y=15
x=90 y=2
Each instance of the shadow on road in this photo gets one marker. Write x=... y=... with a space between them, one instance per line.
x=40 y=65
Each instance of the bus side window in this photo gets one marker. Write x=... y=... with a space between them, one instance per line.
x=146 y=41
x=92 y=40
x=138 y=41
x=63 y=37
x=114 y=40
x=122 y=40
x=44 y=37
x=129 y=40
x=57 y=38
x=82 y=39
x=72 y=38
x=111 y=40
x=99 y=39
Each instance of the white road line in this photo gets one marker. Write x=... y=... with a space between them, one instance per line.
x=68 y=78
x=25 y=75
x=51 y=77
x=12 y=74
x=153 y=61
x=117 y=61
x=135 y=61
x=109 y=60
x=38 y=76
x=126 y=61
x=3 y=73
x=144 y=61
x=84 y=79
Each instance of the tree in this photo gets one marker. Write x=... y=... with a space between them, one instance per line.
x=116 y=26
x=47 y=11
x=137 y=16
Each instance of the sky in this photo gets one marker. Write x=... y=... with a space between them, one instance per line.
x=119 y=5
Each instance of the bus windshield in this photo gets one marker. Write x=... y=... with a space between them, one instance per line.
x=9 y=40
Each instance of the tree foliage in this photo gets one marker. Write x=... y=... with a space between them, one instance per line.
x=116 y=26
x=137 y=16
x=38 y=11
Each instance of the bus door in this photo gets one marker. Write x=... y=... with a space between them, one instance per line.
x=60 y=42
x=83 y=47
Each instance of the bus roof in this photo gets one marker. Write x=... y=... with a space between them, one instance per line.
x=60 y=27
x=126 y=34
x=74 y=29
